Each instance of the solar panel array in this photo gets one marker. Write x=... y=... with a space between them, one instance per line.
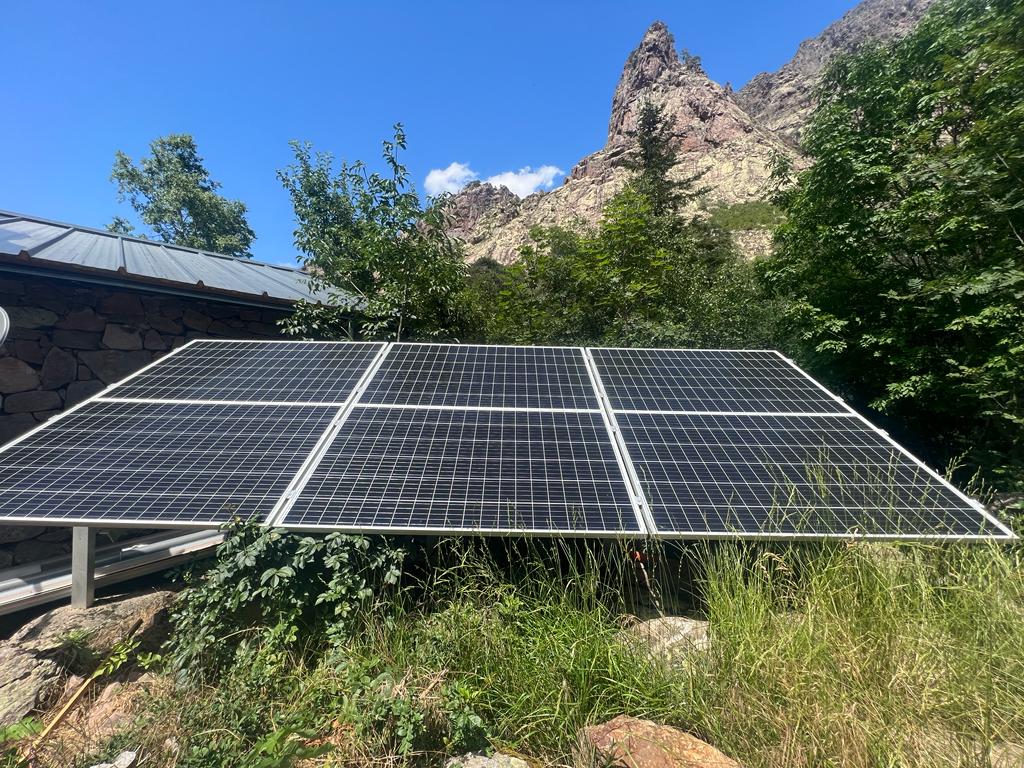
x=439 y=439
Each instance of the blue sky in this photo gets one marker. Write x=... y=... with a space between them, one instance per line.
x=496 y=87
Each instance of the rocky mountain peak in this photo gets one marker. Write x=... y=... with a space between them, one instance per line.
x=783 y=100
x=712 y=135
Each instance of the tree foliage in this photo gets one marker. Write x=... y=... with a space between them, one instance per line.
x=902 y=258
x=370 y=243
x=173 y=194
x=648 y=274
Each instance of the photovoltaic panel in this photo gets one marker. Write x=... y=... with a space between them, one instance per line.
x=170 y=464
x=708 y=380
x=300 y=371
x=804 y=475
x=419 y=469
x=483 y=376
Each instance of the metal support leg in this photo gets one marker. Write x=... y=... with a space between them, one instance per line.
x=83 y=566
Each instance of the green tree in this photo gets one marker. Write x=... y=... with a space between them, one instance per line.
x=902 y=258
x=173 y=194
x=373 y=247
x=648 y=274
x=654 y=159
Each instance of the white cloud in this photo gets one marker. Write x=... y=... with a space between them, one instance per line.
x=526 y=180
x=450 y=179
x=523 y=182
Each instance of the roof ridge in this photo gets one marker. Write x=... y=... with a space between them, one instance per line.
x=93 y=230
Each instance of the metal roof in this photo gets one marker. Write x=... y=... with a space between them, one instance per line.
x=28 y=241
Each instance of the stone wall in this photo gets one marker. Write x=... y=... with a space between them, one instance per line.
x=69 y=340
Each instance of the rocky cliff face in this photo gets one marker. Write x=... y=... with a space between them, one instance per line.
x=782 y=100
x=730 y=136
x=711 y=132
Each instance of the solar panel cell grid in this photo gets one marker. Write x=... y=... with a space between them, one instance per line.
x=434 y=469
x=301 y=371
x=482 y=377
x=112 y=462
x=820 y=475
x=708 y=380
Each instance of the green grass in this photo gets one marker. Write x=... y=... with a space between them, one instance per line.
x=820 y=655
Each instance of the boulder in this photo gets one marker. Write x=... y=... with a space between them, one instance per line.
x=670 y=639
x=628 y=742
x=497 y=760
x=76 y=339
x=28 y=402
x=59 y=368
x=154 y=341
x=29 y=351
x=165 y=325
x=31 y=317
x=17 y=376
x=195 y=320
x=35 y=660
x=83 y=320
x=119 y=306
x=120 y=337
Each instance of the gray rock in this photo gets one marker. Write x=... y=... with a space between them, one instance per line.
x=497 y=760
x=28 y=350
x=120 y=337
x=195 y=320
x=59 y=368
x=84 y=374
x=36 y=658
x=76 y=339
x=171 y=307
x=26 y=683
x=82 y=390
x=31 y=317
x=669 y=639
x=120 y=306
x=37 y=400
x=220 y=328
x=6 y=558
x=17 y=376
x=124 y=760
x=165 y=325
x=154 y=341
x=112 y=365
x=83 y=320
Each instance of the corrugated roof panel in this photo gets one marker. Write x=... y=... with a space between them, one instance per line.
x=83 y=248
x=21 y=235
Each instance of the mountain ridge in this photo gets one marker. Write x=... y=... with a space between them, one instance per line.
x=732 y=138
